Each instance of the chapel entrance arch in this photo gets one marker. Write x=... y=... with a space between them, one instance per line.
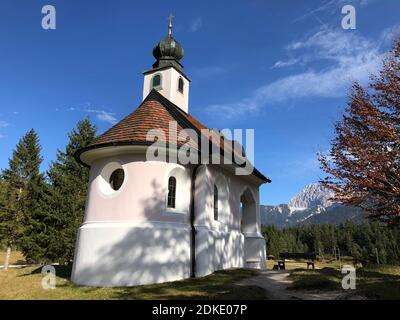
x=248 y=208
x=254 y=243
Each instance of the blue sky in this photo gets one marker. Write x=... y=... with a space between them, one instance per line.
x=280 y=67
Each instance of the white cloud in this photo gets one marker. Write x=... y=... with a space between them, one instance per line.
x=333 y=45
x=196 y=24
x=3 y=124
x=331 y=7
x=286 y=63
x=346 y=56
x=103 y=115
x=2 y=136
x=390 y=34
x=323 y=7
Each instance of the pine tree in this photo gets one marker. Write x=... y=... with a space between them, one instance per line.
x=364 y=161
x=23 y=184
x=358 y=241
x=64 y=201
x=10 y=218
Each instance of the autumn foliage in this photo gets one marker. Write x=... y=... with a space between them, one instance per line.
x=363 y=164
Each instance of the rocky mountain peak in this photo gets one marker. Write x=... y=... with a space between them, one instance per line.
x=313 y=196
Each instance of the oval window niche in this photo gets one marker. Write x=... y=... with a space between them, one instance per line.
x=112 y=178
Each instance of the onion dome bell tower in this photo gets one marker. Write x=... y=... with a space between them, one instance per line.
x=166 y=75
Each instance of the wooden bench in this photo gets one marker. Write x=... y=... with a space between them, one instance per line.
x=310 y=257
x=280 y=265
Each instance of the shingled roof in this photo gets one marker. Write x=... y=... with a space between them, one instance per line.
x=151 y=114
x=155 y=112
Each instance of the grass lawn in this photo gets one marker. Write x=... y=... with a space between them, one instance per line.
x=372 y=282
x=15 y=258
x=25 y=283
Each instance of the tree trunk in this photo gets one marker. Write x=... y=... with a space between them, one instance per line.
x=7 y=259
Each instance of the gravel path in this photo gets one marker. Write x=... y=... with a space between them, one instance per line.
x=276 y=283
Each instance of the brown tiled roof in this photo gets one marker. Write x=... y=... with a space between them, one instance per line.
x=151 y=114
x=155 y=112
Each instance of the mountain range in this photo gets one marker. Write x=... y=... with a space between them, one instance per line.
x=312 y=205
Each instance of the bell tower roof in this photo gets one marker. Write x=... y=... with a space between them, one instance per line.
x=168 y=52
x=166 y=75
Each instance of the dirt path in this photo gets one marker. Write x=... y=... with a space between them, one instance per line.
x=276 y=283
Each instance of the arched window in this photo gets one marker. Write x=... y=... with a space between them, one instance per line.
x=156 y=82
x=171 y=192
x=180 y=85
x=117 y=179
x=215 y=203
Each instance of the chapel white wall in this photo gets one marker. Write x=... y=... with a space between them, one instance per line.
x=113 y=254
x=143 y=195
x=130 y=237
x=221 y=244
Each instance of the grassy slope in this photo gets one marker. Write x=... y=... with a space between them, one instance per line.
x=373 y=282
x=25 y=283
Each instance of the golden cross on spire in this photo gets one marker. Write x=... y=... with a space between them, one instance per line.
x=170 y=17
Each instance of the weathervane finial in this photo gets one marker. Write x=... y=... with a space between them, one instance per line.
x=170 y=17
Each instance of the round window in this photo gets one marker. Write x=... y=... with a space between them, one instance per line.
x=112 y=178
x=117 y=179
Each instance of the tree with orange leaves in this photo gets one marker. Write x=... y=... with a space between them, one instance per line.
x=363 y=164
